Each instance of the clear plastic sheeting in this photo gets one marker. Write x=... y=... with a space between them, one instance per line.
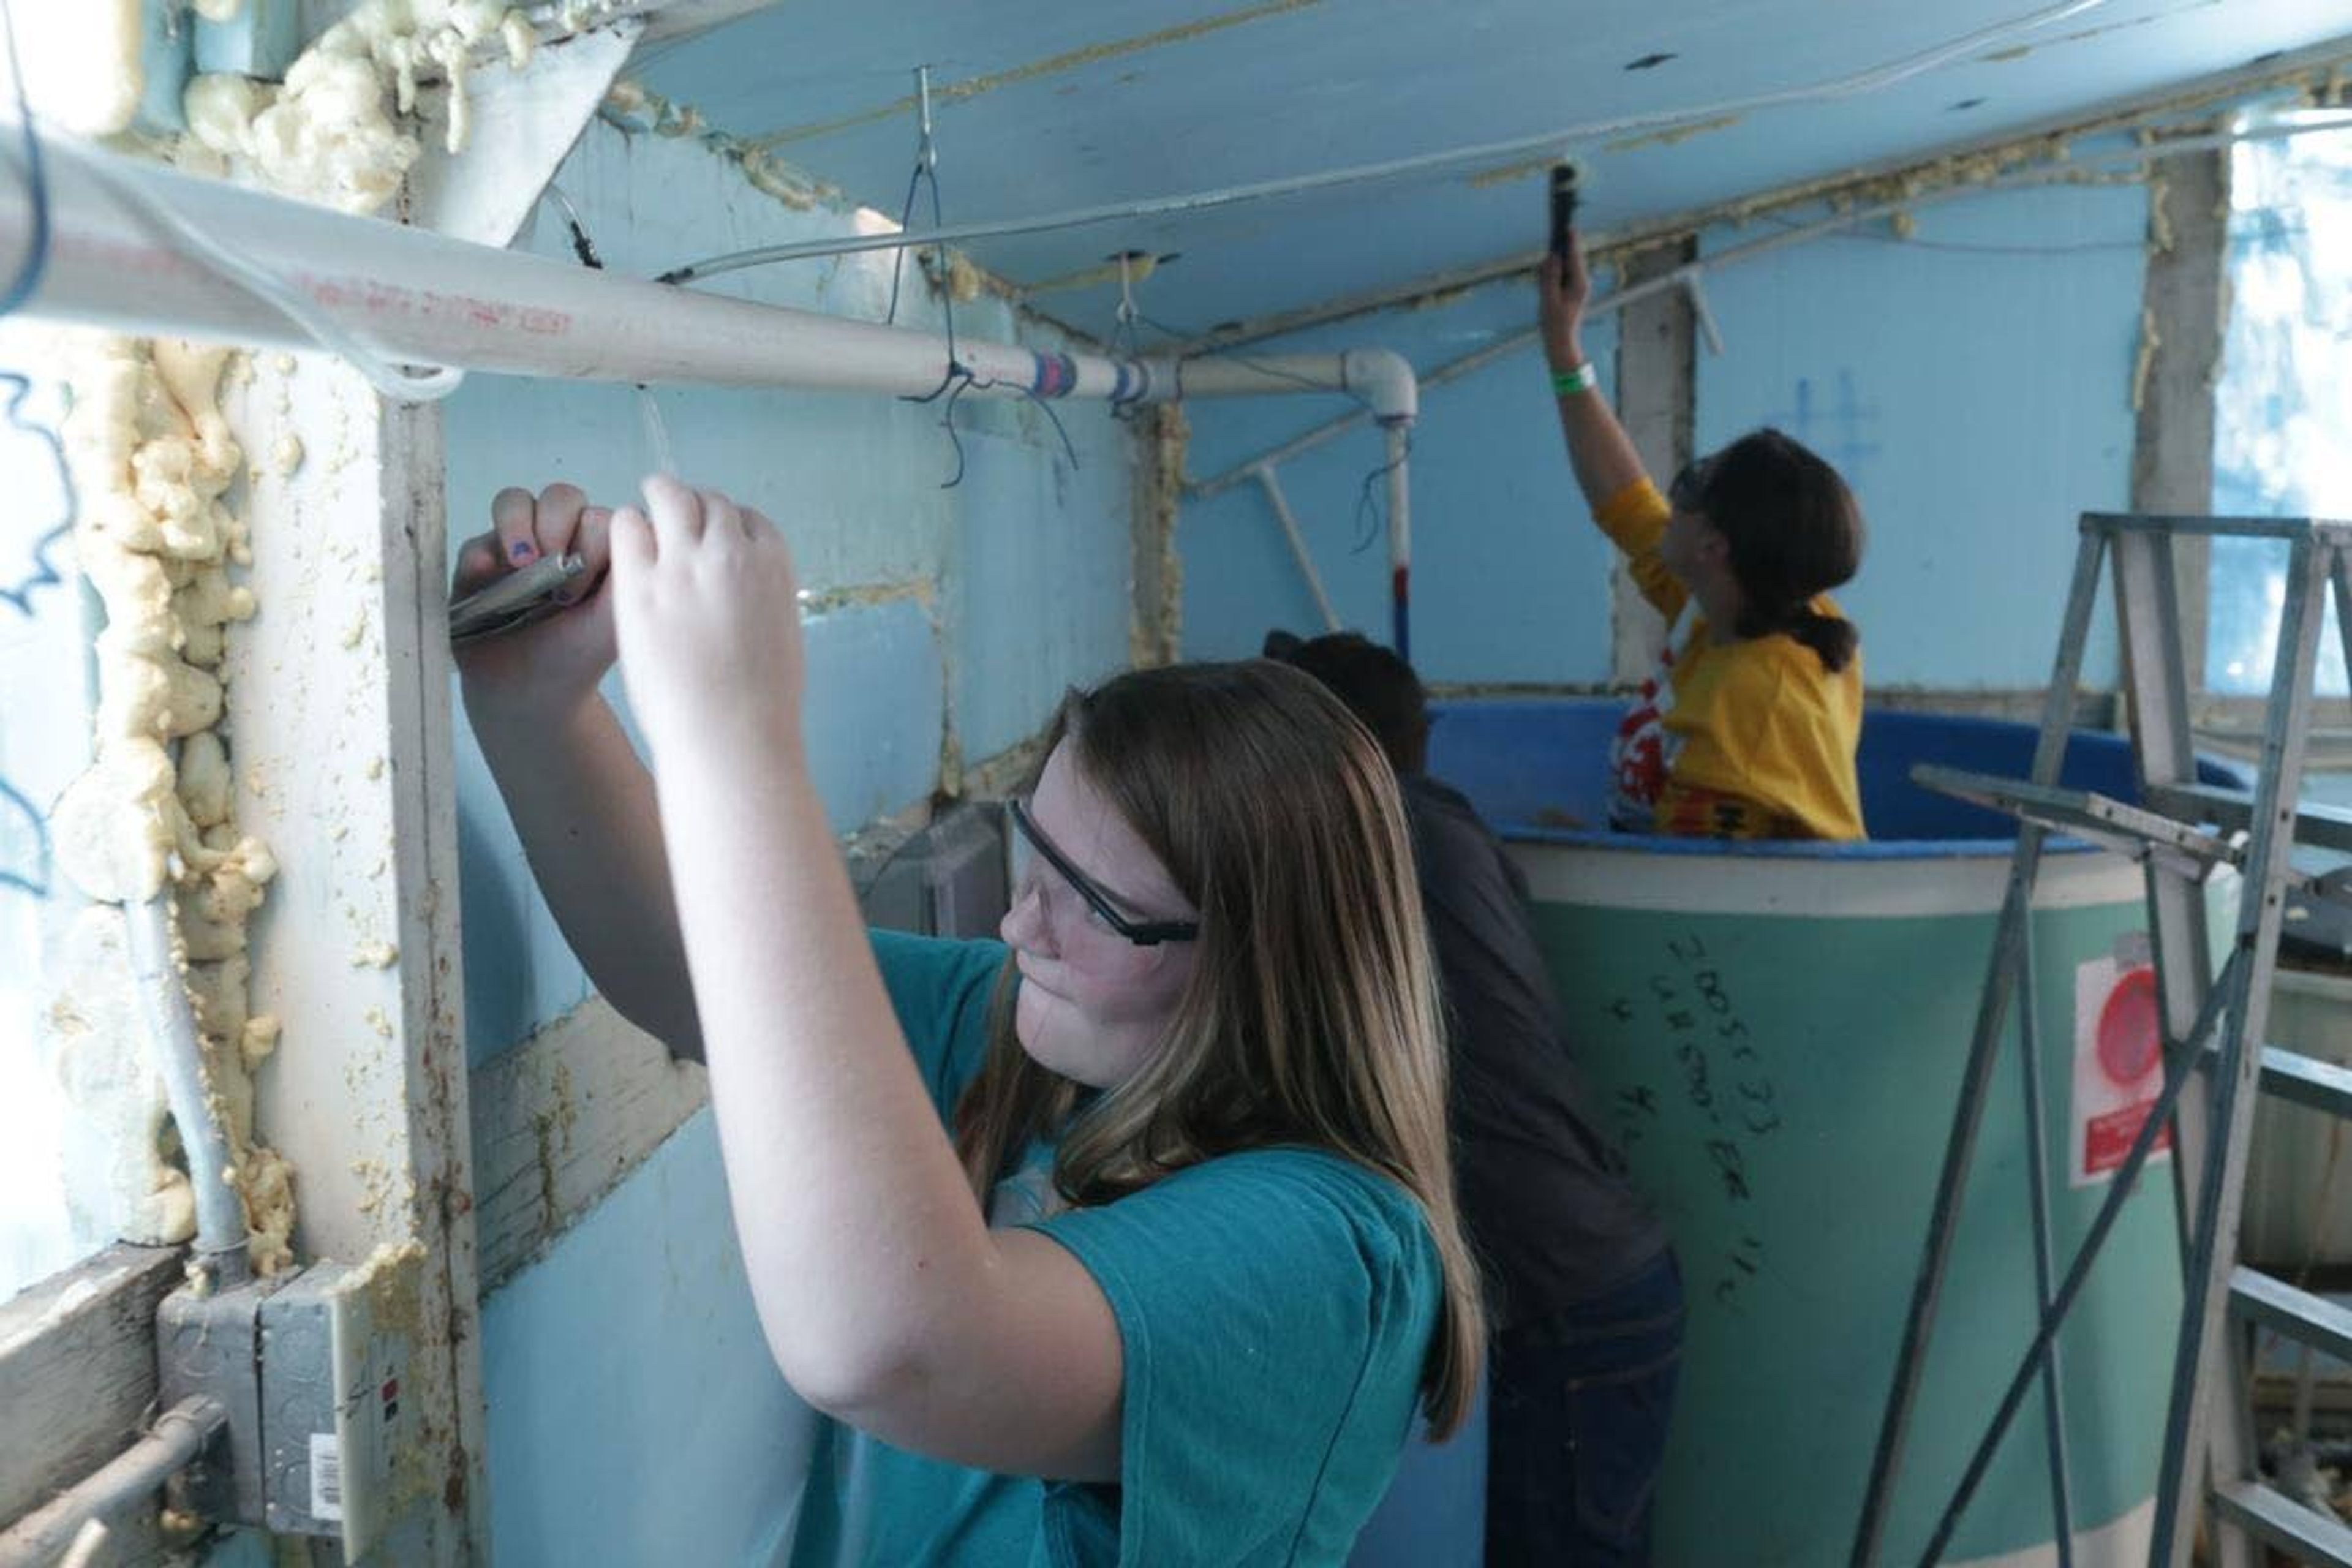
x=2282 y=408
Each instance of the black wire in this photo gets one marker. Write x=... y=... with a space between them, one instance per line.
x=957 y=378
x=45 y=573
x=960 y=378
x=1368 y=511
x=37 y=181
x=905 y=215
x=973 y=384
x=582 y=245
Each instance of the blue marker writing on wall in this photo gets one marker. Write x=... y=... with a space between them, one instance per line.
x=23 y=843
x=18 y=584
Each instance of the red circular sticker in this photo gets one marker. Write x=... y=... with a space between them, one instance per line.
x=2129 y=1043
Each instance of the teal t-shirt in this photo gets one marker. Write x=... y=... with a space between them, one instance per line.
x=1275 y=1309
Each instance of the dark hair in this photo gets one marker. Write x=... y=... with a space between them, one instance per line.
x=1378 y=687
x=1794 y=529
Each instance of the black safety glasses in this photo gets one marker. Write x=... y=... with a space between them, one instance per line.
x=1142 y=933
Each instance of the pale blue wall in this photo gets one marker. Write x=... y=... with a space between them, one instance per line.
x=1509 y=583
x=633 y=1412
x=635 y=1415
x=1974 y=383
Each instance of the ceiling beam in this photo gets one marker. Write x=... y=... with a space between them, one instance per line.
x=2315 y=67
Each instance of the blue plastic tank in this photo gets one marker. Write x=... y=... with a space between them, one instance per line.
x=1776 y=1032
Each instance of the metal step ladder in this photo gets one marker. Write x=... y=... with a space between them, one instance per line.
x=2182 y=832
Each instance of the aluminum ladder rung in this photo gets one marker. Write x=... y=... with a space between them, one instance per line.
x=2325 y=827
x=2330 y=530
x=2279 y=1520
x=2306 y=1318
x=2130 y=830
x=2307 y=1081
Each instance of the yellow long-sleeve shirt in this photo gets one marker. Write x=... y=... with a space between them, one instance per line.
x=1751 y=738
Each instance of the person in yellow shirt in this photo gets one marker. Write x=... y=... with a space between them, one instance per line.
x=1748 y=729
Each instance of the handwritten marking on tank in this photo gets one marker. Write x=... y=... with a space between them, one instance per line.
x=1720 y=1079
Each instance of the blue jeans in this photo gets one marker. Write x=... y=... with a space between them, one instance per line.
x=1576 y=1430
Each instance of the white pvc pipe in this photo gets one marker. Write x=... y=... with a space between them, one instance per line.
x=1383 y=379
x=419 y=298
x=1400 y=543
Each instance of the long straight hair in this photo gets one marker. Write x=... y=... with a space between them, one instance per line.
x=1311 y=1016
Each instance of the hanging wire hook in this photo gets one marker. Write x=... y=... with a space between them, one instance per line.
x=927 y=150
x=927 y=168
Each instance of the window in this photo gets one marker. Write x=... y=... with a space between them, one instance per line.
x=2282 y=408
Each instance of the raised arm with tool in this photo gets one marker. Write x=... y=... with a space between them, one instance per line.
x=580 y=799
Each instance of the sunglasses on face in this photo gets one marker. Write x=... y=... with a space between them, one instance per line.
x=1142 y=933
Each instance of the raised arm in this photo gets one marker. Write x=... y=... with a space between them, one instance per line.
x=580 y=799
x=886 y=1299
x=1607 y=467
x=1597 y=447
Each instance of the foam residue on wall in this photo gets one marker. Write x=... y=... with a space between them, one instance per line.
x=152 y=461
x=81 y=64
x=635 y=108
x=335 y=130
x=1156 y=619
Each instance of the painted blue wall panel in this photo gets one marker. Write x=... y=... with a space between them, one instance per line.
x=1974 y=385
x=873 y=714
x=1509 y=580
x=635 y=1414
x=1042 y=563
x=875 y=693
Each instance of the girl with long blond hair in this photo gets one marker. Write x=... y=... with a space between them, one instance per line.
x=1130 y=1238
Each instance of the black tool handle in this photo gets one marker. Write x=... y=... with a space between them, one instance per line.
x=1563 y=208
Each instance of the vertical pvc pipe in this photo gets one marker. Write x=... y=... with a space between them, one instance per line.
x=1400 y=434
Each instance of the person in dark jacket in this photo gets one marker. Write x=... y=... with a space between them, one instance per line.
x=1583 y=1290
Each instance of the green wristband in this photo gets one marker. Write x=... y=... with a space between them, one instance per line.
x=1568 y=383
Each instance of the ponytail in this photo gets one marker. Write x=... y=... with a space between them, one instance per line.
x=1831 y=639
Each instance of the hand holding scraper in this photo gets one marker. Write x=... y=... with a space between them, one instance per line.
x=515 y=600
x=514 y=588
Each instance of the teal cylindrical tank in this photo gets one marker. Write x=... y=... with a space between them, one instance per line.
x=1775 y=1032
